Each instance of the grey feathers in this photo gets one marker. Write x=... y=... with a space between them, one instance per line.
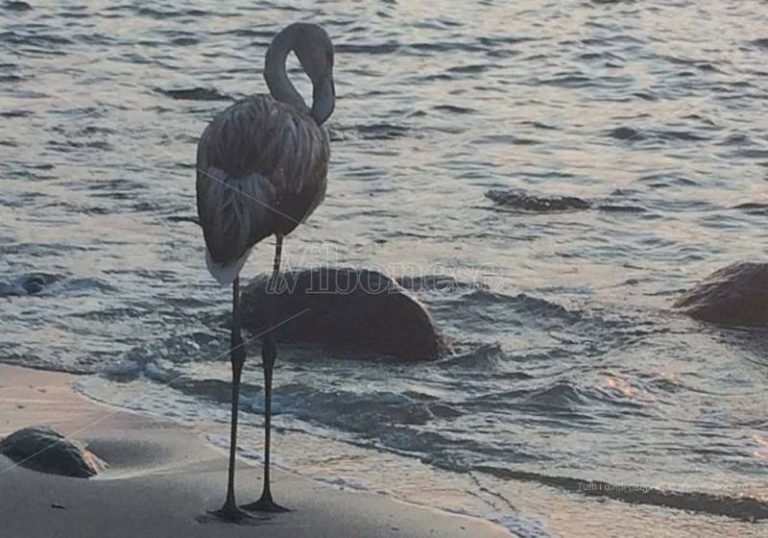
x=261 y=170
x=262 y=162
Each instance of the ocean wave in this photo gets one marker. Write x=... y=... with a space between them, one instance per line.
x=740 y=507
x=523 y=302
x=753 y=208
x=437 y=283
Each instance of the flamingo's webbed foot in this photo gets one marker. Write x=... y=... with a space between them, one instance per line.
x=231 y=513
x=265 y=504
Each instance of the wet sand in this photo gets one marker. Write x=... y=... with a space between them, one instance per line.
x=163 y=478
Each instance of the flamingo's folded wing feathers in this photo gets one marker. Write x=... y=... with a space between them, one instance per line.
x=261 y=170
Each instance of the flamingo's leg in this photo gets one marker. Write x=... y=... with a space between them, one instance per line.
x=230 y=511
x=269 y=355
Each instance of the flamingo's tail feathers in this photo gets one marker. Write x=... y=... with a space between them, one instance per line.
x=235 y=214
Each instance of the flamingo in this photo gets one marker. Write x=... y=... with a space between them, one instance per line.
x=261 y=171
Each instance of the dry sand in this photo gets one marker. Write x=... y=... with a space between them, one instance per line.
x=163 y=478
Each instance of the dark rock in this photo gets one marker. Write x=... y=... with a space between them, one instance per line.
x=624 y=133
x=17 y=6
x=28 y=284
x=44 y=449
x=733 y=295
x=520 y=200
x=358 y=310
x=185 y=218
x=196 y=94
x=37 y=282
x=615 y=208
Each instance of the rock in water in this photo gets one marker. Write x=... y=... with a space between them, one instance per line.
x=28 y=284
x=44 y=449
x=733 y=295
x=358 y=310
x=523 y=201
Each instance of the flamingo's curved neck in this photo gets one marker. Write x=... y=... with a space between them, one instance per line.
x=280 y=86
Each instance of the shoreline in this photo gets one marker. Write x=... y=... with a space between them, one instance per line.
x=163 y=477
x=175 y=473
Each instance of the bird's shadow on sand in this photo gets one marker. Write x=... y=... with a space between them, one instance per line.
x=252 y=520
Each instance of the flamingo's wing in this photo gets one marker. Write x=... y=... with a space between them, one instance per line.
x=261 y=170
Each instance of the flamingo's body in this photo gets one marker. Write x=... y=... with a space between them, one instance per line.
x=261 y=170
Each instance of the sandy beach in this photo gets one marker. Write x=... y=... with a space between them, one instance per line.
x=163 y=478
x=521 y=283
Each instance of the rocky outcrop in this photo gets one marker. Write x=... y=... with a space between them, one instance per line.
x=28 y=284
x=357 y=310
x=196 y=94
x=517 y=200
x=733 y=295
x=521 y=200
x=44 y=449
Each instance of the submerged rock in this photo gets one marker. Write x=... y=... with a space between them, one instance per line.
x=357 y=310
x=538 y=203
x=734 y=295
x=516 y=199
x=28 y=284
x=44 y=449
x=625 y=133
x=196 y=94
